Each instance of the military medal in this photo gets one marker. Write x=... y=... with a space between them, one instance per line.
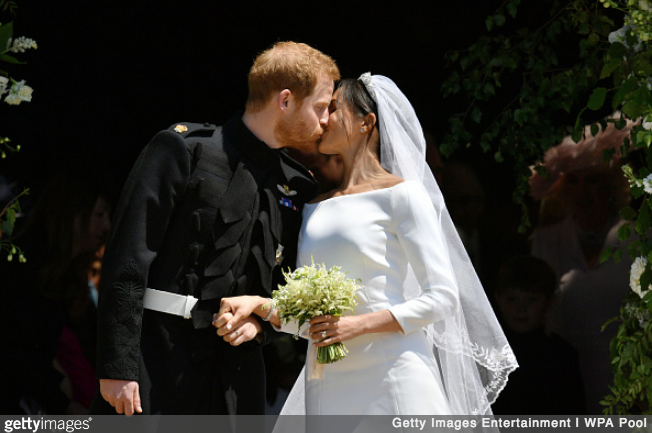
x=286 y=190
x=288 y=203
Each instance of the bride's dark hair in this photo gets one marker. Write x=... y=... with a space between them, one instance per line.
x=354 y=95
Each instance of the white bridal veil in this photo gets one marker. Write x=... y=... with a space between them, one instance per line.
x=471 y=349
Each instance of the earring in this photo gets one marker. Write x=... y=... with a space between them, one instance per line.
x=361 y=130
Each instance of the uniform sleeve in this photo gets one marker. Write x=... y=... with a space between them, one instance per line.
x=419 y=233
x=155 y=185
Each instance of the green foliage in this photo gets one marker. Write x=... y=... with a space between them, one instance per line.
x=7 y=223
x=518 y=87
x=16 y=95
x=522 y=96
x=631 y=359
x=8 y=6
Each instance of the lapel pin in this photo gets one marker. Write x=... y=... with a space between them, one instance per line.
x=180 y=128
x=279 y=253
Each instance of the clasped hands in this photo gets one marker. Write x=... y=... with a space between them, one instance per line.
x=236 y=322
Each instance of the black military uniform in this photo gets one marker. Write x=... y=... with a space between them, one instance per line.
x=209 y=212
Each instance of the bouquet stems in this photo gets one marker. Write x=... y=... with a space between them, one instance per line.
x=331 y=353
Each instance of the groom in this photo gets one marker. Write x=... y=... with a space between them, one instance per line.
x=209 y=212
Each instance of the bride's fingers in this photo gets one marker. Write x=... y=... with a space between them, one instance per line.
x=330 y=339
x=319 y=335
x=323 y=319
x=319 y=327
x=220 y=322
x=225 y=306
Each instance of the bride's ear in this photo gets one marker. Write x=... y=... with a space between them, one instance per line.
x=370 y=121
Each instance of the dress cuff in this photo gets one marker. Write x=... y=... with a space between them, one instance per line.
x=292 y=327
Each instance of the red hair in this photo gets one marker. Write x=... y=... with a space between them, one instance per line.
x=288 y=65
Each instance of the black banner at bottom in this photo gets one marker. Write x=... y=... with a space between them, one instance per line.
x=325 y=424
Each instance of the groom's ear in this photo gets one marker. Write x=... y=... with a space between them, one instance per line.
x=284 y=99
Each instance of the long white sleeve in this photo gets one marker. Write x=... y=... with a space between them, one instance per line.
x=419 y=233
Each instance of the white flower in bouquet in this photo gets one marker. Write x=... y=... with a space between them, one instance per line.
x=312 y=291
x=637 y=269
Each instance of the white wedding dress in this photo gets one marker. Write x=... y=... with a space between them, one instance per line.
x=373 y=236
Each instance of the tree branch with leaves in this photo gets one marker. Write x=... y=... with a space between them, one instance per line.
x=13 y=92
x=524 y=94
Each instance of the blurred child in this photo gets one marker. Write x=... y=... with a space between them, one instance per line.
x=548 y=381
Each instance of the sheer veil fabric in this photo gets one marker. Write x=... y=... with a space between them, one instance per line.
x=473 y=354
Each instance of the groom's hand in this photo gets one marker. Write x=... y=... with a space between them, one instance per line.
x=123 y=395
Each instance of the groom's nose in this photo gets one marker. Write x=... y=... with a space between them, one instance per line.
x=323 y=120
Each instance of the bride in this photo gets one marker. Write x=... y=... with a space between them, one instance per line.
x=423 y=339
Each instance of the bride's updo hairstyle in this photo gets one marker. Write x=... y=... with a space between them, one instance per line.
x=354 y=95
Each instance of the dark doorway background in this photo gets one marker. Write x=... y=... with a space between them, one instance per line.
x=108 y=75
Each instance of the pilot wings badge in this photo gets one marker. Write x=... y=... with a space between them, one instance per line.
x=286 y=190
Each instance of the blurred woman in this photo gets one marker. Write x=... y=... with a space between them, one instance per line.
x=48 y=321
x=578 y=219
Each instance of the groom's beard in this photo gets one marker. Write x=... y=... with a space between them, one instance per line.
x=295 y=134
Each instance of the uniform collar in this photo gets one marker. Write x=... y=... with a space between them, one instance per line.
x=256 y=151
x=260 y=154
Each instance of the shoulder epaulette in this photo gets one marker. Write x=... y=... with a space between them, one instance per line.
x=188 y=130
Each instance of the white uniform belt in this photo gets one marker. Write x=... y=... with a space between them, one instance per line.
x=171 y=303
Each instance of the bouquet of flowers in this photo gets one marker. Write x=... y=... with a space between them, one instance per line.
x=312 y=291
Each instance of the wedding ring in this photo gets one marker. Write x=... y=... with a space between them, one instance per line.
x=323 y=334
x=236 y=333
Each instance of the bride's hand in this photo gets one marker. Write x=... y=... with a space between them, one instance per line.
x=239 y=307
x=326 y=330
